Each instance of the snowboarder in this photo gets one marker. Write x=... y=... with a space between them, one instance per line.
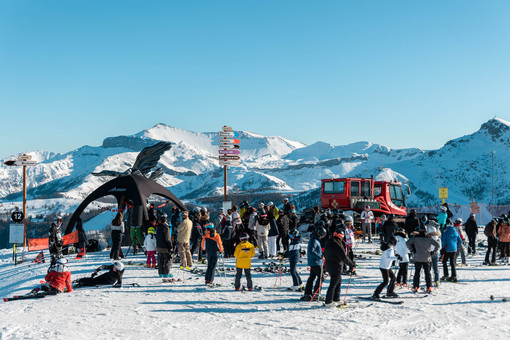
x=55 y=240
x=450 y=240
x=336 y=258
x=212 y=245
x=423 y=248
x=243 y=253
x=183 y=238
x=367 y=216
x=117 y=232
x=112 y=277
x=387 y=258
x=149 y=244
x=293 y=255
x=164 y=247
x=314 y=256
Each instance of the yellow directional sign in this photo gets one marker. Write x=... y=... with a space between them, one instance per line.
x=443 y=193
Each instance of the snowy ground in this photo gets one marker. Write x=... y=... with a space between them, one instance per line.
x=178 y=310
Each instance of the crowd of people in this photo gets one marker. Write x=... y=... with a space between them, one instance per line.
x=240 y=231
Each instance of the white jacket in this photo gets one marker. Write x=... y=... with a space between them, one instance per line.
x=388 y=256
x=401 y=249
x=367 y=216
x=150 y=242
x=262 y=230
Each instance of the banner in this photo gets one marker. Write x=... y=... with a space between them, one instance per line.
x=43 y=243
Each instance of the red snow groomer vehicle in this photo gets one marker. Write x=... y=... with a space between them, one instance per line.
x=353 y=194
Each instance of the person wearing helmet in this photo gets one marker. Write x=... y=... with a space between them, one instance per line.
x=164 y=248
x=293 y=254
x=349 y=242
x=213 y=247
x=55 y=240
x=442 y=217
x=433 y=232
x=451 y=240
x=287 y=206
x=243 y=253
x=336 y=258
x=183 y=241
x=461 y=248
x=402 y=253
x=273 y=234
x=283 y=223
x=149 y=244
x=314 y=258
x=112 y=277
x=117 y=232
x=262 y=227
x=57 y=280
x=367 y=217
x=423 y=248
x=387 y=258
x=471 y=231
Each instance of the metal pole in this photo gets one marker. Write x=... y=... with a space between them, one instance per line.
x=24 y=211
x=225 y=183
x=492 y=201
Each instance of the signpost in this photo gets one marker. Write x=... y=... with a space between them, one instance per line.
x=24 y=161
x=228 y=145
x=443 y=193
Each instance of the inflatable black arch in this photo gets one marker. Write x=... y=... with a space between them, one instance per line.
x=127 y=187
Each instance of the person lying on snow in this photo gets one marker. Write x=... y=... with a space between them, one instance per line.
x=112 y=277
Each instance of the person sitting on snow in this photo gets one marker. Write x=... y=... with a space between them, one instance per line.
x=112 y=277
x=57 y=279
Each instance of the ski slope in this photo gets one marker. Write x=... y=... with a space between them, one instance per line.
x=180 y=311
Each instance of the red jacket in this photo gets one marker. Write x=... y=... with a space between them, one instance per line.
x=60 y=280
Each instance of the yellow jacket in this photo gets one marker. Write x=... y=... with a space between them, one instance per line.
x=243 y=253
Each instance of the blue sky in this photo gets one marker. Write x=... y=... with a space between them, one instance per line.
x=398 y=73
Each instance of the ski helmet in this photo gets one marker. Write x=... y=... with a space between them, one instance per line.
x=119 y=265
x=458 y=220
x=321 y=223
x=62 y=260
x=339 y=232
x=244 y=236
x=58 y=218
x=270 y=204
x=163 y=217
x=151 y=230
x=348 y=219
x=320 y=231
x=367 y=207
x=294 y=233
x=203 y=210
x=443 y=208
x=384 y=217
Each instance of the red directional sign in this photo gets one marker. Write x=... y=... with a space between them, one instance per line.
x=229 y=141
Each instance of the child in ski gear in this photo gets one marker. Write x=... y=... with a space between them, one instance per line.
x=149 y=244
x=450 y=240
x=262 y=227
x=367 y=216
x=212 y=245
x=314 y=256
x=183 y=240
x=243 y=253
x=434 y=233
x=402 y=252
x=117 y=232
x=423 y=248
x=387 y=258
x=164 y=247
x=55 y=241
x=57 y=279
x=293 y=255
x=112 y=277
x=334 y=253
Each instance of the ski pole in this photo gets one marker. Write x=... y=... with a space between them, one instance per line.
x=347 y=290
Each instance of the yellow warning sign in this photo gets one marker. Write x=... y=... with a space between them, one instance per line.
x=443 y=193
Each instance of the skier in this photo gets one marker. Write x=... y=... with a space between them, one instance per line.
x=434 y=233
x=283 y=223
x=423 y=248
x=367 y=216
x=243 y=253
x=442 y=216
x=387 y=258
x=183 y=236
x=389 y=228
x=262 y=227
x=55 y=241
x=164 y=248
x=211 y=244
x=196 y=235
x=460 y=249
x=112 y=277
x=149 y=244
x=287 y=207
x=273 y=230
x=227 y=234
x=492 y=240
x=403 y=252
x=293 y=255
x=471 y=231
x=450 y=240
x=412 y=222
x=117 y=232
x=334 y=253
x=57 y=279
x=349 y=241
x=504 y=239
x=314 y=257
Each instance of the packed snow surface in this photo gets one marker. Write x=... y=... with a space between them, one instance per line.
x=157 y=310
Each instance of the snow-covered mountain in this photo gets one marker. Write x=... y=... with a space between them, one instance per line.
x=191 y=168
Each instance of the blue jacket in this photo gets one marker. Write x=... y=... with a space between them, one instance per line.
x=314 y=251
x=451 y=239
x=294 y=249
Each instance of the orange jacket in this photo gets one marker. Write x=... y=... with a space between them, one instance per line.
x=504 y=233
x=212 y=241
x=60 y=281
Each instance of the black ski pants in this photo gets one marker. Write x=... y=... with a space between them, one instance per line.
x=417 y=273
x=493 y=245
x=212 y=260
x=116 y=241
x=284 y=238
x=388 y=276
x=164 y=264
x=335 y=282
x=239 y=274
x=472 y=244
x=197 y=244
x=315 y=272
x=449 y=255
x=402 y=272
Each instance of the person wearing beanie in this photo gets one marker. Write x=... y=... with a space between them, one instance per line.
x=243 y=254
